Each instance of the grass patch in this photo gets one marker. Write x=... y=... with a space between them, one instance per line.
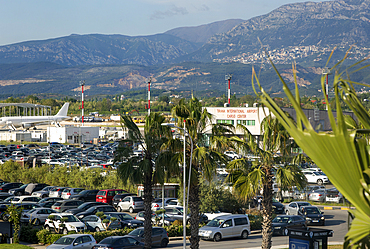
x=14 y=246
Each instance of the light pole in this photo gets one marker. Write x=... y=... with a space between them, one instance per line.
x=184 y=214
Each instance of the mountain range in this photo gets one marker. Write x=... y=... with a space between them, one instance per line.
x=193 y=58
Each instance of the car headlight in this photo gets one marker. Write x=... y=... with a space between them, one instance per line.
x=277 y=228
x=308 y=218
x=323 y=218
x=72 y=227
x=207 y=232
x=129 y=224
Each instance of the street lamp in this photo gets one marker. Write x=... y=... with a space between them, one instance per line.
x=184 y=177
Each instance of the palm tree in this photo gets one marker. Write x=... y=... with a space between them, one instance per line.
x=205 y=159
x=342 y=154
x=143 y=170
x=251 y=179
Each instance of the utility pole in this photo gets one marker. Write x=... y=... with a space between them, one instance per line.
x=228 y=78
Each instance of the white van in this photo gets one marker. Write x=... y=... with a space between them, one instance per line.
x=226 y=226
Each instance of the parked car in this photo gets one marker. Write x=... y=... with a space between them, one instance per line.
x=293 y=207
x=232 y=154
x=25 y=198
x=67 y=192
x=43 y=192
x=313 y=215
x=37 y=216
x=56 y=192
x=95 y=223
x=119 y=197
x=126 y=220
x=333 y=195
x=157 y=203
x=83 y=207
x=120 y=242
x=85 y=195
x=277 y=207
x=71 y=224
x=315 y=177
x=95 y=209
x=226 y=226
x=131 y=204
x=25 y=208
x=61 y=206
x=281 y=223
x=71 y=241
x=106 y=195
x=18 y=191
x=318 y=195
x=159 y=236
x=8 y=186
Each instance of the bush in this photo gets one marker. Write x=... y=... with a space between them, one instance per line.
x=28 y=233
x=46 y=237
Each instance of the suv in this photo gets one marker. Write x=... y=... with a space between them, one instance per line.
x=226 y=226
x=315 y=177
x=67 y=192
x=131 y=204
x=232 y=154
x=106 y=195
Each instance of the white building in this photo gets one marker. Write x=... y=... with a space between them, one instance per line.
x=72 y=134
x=250 y=117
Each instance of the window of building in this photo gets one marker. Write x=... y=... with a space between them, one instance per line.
x=247 y=122
x=224 y=121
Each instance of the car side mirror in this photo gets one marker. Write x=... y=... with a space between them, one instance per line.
x=75 y=244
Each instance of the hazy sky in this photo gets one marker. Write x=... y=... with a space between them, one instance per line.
x=23 y=20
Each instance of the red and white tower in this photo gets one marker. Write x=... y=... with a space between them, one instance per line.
x=82 y=98
x=228 y=78
x=149 y=81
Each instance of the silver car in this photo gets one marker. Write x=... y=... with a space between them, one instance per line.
x=131 y=204
x=67 y=192
x=226 y=226
x=37 y=216
x=293 y=207
x=56 y=192
x=43 y=192
x=80 y=241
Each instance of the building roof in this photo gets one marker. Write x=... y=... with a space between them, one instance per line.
x=24 y=105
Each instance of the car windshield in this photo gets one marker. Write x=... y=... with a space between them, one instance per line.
x=301 y=204
x=23 y=186
x=70 y=218
x=311 y=210
x=280 y=219
x=215 y=222
x=122 y=216
x=137 y=232
x=64 y=241
x=108 y=240
x=31 y=211
x=83 y=192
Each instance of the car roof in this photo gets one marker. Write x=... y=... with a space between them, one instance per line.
x=75 y=235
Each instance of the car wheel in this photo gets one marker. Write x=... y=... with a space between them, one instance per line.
x=5 y=217
x=119 y=209
x=36 y=222
x=245 y=235
x=217 y=237
x=319 y=182
x=287 y=212
x=65 y=231
x=164 y=243
x=97 y=229
x=131 y=210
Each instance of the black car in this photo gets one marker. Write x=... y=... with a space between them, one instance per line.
x=126 y=220
x=85 y=195
x=313 y=215
x=159 y=236
x=277 y=207
x=281 y=223
x=47 y=199
x=27 y=189
x=83 y=207
x=118 y=242
x=8 y=186
x=119 y=197
x=61 y=206
x=95 y=209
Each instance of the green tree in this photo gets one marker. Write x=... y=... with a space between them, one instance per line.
x=15 y=213
x=205 y=159
x=143 y=170
x=255 y=178
x=342 y=154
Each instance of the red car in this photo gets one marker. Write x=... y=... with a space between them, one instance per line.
x=106 y=195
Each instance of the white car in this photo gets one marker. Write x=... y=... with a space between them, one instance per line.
x=95 y=223
x=43 y=192
x=333 y=195
x=232 y=154
x=37 y=216
x=315 y=177
x=72 y=223
x=318 y=195
x=157 y=203
x=25 y=198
